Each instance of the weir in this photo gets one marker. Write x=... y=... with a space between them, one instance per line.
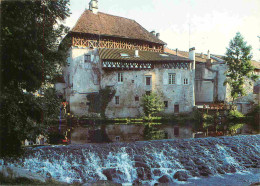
x=144 y=162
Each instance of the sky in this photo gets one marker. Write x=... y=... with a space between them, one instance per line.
x=203 y=24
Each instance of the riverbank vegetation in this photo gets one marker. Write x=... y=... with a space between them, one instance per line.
x=31 y=57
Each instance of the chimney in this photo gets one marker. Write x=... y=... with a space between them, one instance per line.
x=93 y=6
x=192 y=57
x=192 y=54
x=158 y=35
x=136 y=53
x=208 y=55
x=153 y=32
x=176 y=51
x=201 y=55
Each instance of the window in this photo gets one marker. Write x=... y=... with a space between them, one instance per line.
x=117 y=100
x=148 y=80
x=147 y=92
x=176 y=108
x=165 y=104
x=176 y=131
x=117 y=138
x=136 y=98
x=120 y=77
x=124 y=55
x=87 y=58
x=172 y=78
x=186 y=82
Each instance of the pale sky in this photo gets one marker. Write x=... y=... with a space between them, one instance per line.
x=213 y=23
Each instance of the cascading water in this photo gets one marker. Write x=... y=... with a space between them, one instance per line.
x=146 y=162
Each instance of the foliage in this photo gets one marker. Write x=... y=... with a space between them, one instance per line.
x=253 y=118
x=106 y=95
x=152 y=133
x=197 y=118
x=235 y=120
x=30 y=36
x=208 y=120
x=152 y=104
x=238 y=58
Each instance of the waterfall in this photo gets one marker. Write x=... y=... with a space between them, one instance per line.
x=145 y=162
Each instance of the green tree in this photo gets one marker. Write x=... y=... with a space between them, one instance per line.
x=208 y=122
x=30 y=34
x=152 y=104
x=238 y=57
x=235 y=121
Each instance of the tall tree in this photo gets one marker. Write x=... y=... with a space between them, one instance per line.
x=238 y=57
x=30 y=34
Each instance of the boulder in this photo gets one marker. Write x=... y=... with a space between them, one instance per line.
x=112 y=173
x=164 y=179
x=181 y=176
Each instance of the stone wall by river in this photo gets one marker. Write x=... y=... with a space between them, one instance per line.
x=144 y=162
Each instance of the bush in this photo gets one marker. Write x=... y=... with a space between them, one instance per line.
x=152 y=104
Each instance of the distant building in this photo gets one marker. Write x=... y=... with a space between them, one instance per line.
x=116 y=52
x=209 y=79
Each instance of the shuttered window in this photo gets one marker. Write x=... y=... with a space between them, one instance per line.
x=172 y=78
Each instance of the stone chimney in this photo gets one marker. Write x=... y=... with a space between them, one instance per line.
x=192 y=57
x=158 y=35
x=209 y=60
x=136 y=53
x=192 y=54
x=176 y=51
x=93 y=6
x=208 y=55
x=153 y=32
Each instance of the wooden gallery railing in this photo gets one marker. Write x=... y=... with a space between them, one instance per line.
x=83 y=42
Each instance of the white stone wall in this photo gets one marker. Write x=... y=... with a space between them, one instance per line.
x=81 y=78
x=134 y=84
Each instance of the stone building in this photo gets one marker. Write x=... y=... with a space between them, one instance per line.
x=210 y=77
x=116 y=53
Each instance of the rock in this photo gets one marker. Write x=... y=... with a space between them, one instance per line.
x=199 y=162
x=230 y=169
x=143 y=173
x=181 y=176
x=204 y=170
x=112 y=173
x=164 y=179
x=157 y=172
x=220 y=170
x=137 y=182
x=141 y=164
x=18 y=173
x=138 y=158
x=48 y=175
x=103 y=183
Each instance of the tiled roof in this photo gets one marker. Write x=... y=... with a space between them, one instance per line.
x=109 y=25
x=129 y=55
x=198 y=57
x=256 y=64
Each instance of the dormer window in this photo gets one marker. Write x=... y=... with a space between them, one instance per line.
x=124 y=55
x=164 y=55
